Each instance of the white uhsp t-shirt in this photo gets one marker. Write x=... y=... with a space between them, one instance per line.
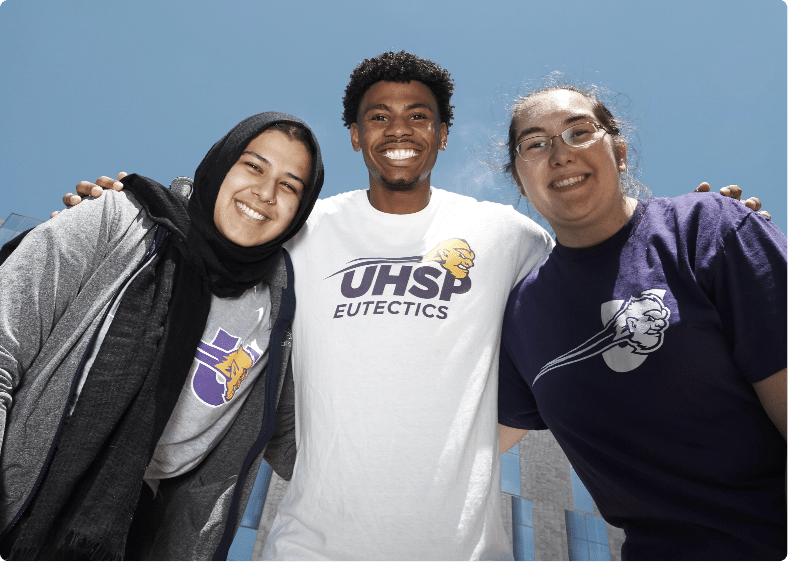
x=395 y=356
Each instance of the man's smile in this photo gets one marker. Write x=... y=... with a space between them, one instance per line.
x=399 y=153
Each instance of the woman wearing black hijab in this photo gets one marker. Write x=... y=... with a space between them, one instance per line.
x=133 y=332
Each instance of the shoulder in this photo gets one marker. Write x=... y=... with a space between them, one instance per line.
x=517 y=239
x=711 y=230
x=338 y=208
x=457 y=201
x=112 y=228
x=112 y=211
x=337 y=203
x=699 y=215
x=700 y=205
x=682 y=218
x=495 y=215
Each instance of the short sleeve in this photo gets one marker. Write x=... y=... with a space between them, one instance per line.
x=516 y=403
x=748 y=287
x=535 y=245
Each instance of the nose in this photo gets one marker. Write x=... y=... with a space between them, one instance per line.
x=399 y=126
x=560 y=152
x=265 y=190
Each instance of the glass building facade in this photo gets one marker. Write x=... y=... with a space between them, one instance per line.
x=15 y=224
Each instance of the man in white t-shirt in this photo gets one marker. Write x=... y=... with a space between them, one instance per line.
x=400 y=291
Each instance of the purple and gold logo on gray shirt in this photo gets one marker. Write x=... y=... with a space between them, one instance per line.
x=222 y=368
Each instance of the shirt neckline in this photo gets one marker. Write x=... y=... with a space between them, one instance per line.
x=615 y=242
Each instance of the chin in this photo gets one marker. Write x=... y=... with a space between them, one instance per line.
x=244 y=239
x=400 y=185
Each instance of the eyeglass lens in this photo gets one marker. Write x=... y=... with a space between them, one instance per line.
x=576 y=136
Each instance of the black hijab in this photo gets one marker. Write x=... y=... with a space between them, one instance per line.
x=229 y=269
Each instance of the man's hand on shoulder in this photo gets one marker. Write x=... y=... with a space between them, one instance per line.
x=734 y=192
x=87 y=189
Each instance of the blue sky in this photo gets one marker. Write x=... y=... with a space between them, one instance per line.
x=92 y=87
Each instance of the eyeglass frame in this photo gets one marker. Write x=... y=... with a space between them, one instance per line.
x=596 y=126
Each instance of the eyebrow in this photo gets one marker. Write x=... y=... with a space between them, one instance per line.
x=530 y=130
x=384 y=107
x=268 y=163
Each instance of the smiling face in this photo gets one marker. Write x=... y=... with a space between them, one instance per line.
x=399 y=133
x=576 y=189
x=260 y=194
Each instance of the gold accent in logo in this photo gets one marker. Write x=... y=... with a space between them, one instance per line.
x=455 y=255
x=234 y=368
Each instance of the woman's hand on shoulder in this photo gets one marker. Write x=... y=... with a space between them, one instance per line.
x=88 y=189
x=734 y=192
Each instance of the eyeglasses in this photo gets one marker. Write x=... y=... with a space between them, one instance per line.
x=576 y=136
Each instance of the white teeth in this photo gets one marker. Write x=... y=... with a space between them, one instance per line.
x=569 y=181
x=249 y=212
x=400 y=153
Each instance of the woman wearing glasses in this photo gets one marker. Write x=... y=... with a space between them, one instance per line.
x=652 y=342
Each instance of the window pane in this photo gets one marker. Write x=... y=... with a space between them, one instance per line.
x=13 y=222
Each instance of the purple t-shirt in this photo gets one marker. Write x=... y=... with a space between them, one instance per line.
x=640 y=353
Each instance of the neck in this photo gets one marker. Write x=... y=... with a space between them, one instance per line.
x=587 y=236
x=398 y=200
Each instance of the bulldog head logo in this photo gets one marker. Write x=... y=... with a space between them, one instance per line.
x=455 y=255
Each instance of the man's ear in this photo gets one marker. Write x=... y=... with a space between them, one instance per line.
x=354 y=137
x=444 y=135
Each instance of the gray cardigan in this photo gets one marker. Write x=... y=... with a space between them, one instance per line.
x=54 y=289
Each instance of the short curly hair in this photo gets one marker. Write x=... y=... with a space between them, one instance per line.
x=398 y=67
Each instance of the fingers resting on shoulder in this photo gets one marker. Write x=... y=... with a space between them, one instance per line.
x=104 y=182
x=734 y=192
x=88 y=189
